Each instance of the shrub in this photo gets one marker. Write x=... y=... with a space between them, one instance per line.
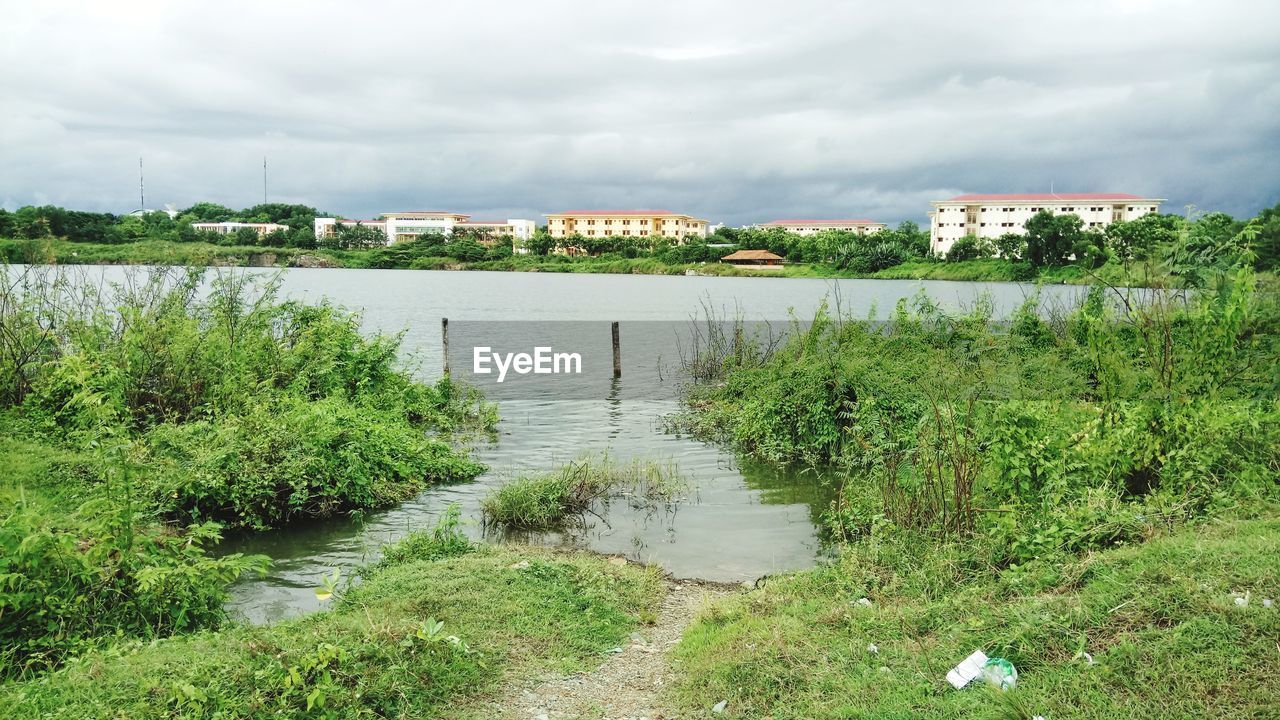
x=280 y=460
x=96 y=571
x=548 y=500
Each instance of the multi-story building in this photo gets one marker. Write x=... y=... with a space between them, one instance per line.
x=227 y=228
x=990 y=216
x=516 y=229
x=328 y=227
x=408 y=225
x=812 y=227
x=626 y=223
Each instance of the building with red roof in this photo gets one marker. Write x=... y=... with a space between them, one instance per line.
x=992 y=215
x=626 y=223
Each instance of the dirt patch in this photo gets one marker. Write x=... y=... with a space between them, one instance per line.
x=630 y=683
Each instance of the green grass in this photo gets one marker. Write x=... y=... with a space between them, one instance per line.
x=1159 y=620
x=513 y=610
x=551 y=499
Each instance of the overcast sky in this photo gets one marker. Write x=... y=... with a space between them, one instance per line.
x=737 y=111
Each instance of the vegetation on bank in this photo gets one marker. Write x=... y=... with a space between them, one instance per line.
x=1054 y=248
x=140 y=419
x=1100 y=483
x=1147 y=630
x=426 y=633
x=551 y=499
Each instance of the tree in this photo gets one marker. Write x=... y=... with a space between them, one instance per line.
x=276 y=238
x=970 y=247
x=1010 y=246
x=910 y=236
x=465 y=249
x=1139 y=239
x=354 y=237
x=1051 y=239
x=541 y=243
x=206 y=212
x=1267 y=242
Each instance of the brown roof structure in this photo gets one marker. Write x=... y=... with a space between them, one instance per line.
x=750 y=255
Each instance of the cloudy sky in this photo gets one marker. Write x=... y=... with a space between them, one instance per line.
x=737 y=111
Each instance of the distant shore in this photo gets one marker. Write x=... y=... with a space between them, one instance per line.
x=159 y=252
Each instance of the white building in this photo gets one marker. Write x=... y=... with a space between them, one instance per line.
x=327 y=226
x=990 y=216
x=408 y=225
x=227 y=228
x=813 y=227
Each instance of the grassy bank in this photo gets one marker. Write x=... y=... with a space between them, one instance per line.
x=1150 y=630
x=140 y=419
x=426 y=634
x=1095 y=482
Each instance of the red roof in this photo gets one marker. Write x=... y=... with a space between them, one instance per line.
x=616 y=212
x=824 y=222
x=1046 y=197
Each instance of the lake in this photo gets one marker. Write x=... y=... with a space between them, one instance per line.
x=738 y=522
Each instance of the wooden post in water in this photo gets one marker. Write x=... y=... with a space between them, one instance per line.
x=617 y=352
x=444 y=343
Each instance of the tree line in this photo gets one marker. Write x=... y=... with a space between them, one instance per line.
x=1049 y=241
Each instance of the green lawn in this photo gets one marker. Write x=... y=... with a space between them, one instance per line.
x=1159 y=619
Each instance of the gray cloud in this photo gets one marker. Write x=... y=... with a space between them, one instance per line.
x=736 y=111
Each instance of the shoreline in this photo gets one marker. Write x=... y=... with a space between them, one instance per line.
x=159 y=253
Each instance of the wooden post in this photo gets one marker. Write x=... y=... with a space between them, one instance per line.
x=617 y=352
x=444 y=342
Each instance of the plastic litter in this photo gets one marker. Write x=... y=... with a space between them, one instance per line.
x=864 y=602
x=1000 y=672
x=1266 y=602
x=967 y=670
x=873 y=648
x=720 y=706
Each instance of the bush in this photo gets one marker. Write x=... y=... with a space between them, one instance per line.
x=282 y=460
x=548 y=500
x=69 y=578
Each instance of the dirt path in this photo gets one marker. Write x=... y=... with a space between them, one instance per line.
x=628 y=686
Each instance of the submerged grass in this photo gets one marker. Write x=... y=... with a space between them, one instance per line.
x=430 y=630
x=550 y=499
x=1145 y=631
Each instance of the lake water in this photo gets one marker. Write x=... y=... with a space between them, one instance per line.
x=737 y=522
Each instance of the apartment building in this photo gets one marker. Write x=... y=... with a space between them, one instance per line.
x=626 y=223
x=990 y=216
x=411 y=224
x=812 y=227
x=228 y=228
